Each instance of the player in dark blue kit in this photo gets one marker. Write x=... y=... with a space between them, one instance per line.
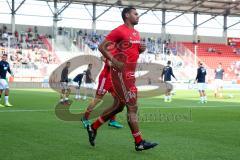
x=219 y=73
x=64 y=84
x=78 y=82
x=167 y=77
x=201 y=81
x=4 y=68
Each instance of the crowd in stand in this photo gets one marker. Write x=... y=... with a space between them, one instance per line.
x=26 y=48
x=31 y=58
x=235 y=68
x=92 y=40
x=236 y=50
x=154 y=45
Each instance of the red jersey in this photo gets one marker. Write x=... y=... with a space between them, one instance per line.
x=127 y=49
x=106 y=70
x=104 y=82
x=127 y=41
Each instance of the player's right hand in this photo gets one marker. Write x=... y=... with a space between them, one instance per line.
x=117 y=64
x=160 y=80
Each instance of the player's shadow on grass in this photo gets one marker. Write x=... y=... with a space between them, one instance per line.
x=64 y=113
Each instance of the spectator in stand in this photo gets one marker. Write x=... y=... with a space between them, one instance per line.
x=36 y=33
x=1 y=32
x=16 y=35
x=4 y=29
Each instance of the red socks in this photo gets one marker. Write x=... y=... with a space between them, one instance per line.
x=97 y=123
x=113 y=118
x=87 y=114
x=137 y=136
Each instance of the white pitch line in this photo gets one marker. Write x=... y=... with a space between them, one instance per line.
x=190 y=107
x=52 y=110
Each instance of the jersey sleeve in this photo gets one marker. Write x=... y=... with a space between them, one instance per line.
x=114 y=35
x=172 y=73
x=197 y=74
x=163 y=71
x=9 y=70
x=64 y=75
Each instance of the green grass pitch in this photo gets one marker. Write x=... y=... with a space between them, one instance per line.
x=185 y=129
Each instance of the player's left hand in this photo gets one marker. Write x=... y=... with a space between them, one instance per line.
x=109 y=63
x=142 y=47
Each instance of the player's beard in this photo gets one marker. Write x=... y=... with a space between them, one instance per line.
x=135 y=23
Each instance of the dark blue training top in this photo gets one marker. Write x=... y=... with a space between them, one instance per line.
x=4 y=68
x=64 y=75
x=201 y=74
x=219 y=73
x=167 y=72
x=78 y=78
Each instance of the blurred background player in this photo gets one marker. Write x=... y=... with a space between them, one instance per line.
x=167 y=77
x=123 y=77
x=201 y=81
x=78 y=81
x=104 y=86
x=64 y=84
x=89 y=82
x=219 y=72
x=4 y=68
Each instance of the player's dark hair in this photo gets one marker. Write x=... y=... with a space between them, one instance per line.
x=125 y=11
x=5 y=54
x=220 y=63
x=168 y=62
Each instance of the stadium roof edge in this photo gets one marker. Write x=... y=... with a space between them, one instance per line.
x=210 y=7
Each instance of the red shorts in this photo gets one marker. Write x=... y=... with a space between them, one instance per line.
x=104 y=84
x=124 y=83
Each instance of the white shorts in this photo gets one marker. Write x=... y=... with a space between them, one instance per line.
x=218 y=83
x=3 y=84
x=169 y=85
x=88 y=85
x=73 y=84
x=202 y=86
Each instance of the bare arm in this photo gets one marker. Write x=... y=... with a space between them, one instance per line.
x=103 y=48
x=162 y=75
x=197 y=76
